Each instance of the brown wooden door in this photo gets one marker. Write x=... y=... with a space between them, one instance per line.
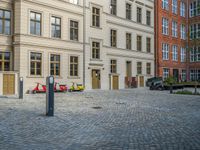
x=141 y=81
x=115 y=82
x=8 y=84
x=95 y=79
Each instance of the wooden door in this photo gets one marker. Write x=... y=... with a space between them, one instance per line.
x=95 y=79
x=141 y=81
x=128 y=69
x=115 y=82
x=8 y=84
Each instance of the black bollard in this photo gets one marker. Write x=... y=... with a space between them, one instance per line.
x=171 y=88
x=50 y=96
x=21 y=82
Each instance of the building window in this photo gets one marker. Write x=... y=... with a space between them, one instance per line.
x=195 y=8
x=5 y=19
x=148 y=45
x=183 y=34
x=174 y=53
x=183 y=75
x=73 y=30
x=139 y=15
x=174 y=6
x=149 y=68
x=128 y=41
x=195 y=54
x=182 y=9
x=35 y=23
x=95 y=50
x=165 y=51
x=174 y=29
x=148 y=18
x=36 y=64
x=165 y=26
x=113 y=66
x=192 y=55
x=56 y=27
x=183 y=54
x=73 y=1
x=113 y=38
x=128 y=11
x=4 y=61
x=55 y=65
x=195 y=74
x=165 y=4
x=165 y=73
x=73 y=66
x=195 y=31
x=95 y=17
x=139 y=67
x=113 y=7
x=139 y=43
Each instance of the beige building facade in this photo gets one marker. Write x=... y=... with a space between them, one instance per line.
x=101 y=44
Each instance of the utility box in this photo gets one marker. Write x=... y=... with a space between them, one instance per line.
x=50 y=96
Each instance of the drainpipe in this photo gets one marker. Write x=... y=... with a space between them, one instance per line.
x=84 y=39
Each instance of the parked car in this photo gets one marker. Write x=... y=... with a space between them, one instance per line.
x=154 y=79
x=157 y=85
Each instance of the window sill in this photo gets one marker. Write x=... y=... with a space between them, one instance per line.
x=32 y=76
x=92 y=59
x=96 y=27
x=8 y=35
x=71 y=77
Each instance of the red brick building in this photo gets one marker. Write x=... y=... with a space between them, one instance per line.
x=172 y=39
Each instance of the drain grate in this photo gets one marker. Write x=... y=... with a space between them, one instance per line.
x=97 y=107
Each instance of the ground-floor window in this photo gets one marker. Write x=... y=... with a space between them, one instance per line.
x=165 y=73
x=148 y=68
x=183 y=75
x=5 y=61
x=55 y=65
x=36 y=63
x=113 y=66
x=73 y=66
x=194 y=75
x=139 y=67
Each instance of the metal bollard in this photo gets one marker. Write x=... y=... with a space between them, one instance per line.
x=50 y=96
x=171 y=88
x=21 y=82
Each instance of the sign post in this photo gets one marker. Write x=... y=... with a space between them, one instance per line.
x=50 y=96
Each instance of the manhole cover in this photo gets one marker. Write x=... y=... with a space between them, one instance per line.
x=97 y=107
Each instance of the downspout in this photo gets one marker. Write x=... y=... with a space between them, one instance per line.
x=155 y=36
x=84 y=39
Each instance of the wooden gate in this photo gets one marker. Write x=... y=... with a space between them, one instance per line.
x=115 y=82
x=8 y=84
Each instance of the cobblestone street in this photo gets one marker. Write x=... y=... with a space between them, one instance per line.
x=135 y=119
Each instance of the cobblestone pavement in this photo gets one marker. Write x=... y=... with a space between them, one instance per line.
x=102 y=120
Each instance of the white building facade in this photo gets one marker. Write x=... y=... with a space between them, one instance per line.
x=101 y=44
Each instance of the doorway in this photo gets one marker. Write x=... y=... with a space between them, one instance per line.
x=175 y=74
x=115 y=82
x=8 y=84
x=141 y=81
x=128 y=69
x=96 y=79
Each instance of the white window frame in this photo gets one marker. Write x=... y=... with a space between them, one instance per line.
x=165 y=26
x=174 y=52
x=165 y=51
